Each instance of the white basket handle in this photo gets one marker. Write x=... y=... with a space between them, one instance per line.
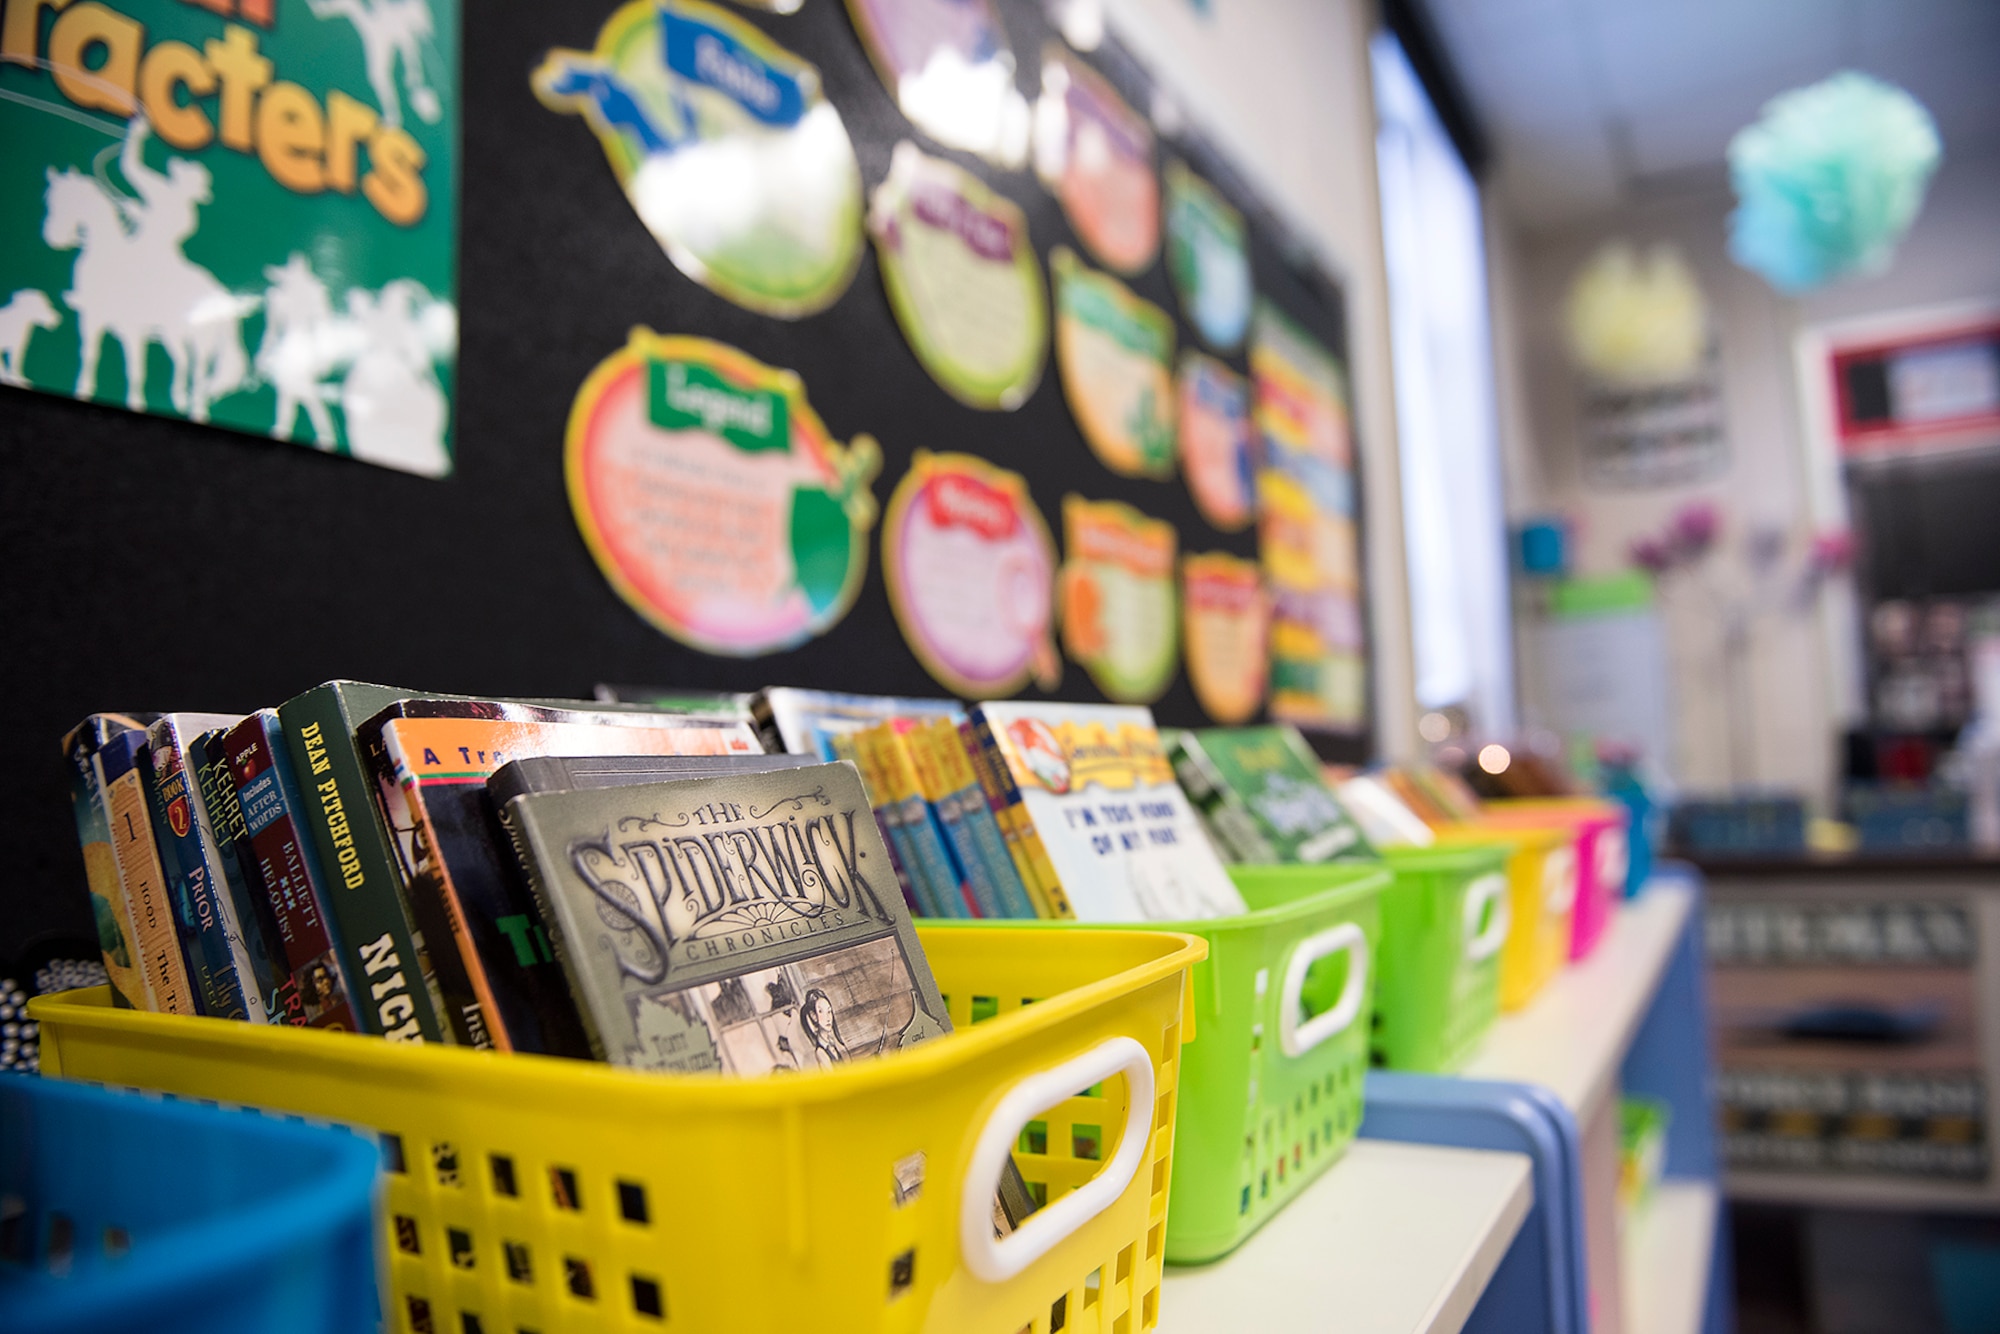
x=1559 y=880
x=1296 y=1038
x=1488 y=889
x=1614 y=858
x=997 y=1259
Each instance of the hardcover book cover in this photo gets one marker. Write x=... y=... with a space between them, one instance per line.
x=315 y=993
x=558 y=773
x=1123 y=841
x=211 y=938
x=501 y=986
x=117 y=935
x=1261 y=789
x=744 y=924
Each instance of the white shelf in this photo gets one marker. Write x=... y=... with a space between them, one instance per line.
x=1394 y=1239
x=1572 y=1038
x=1666 y=1254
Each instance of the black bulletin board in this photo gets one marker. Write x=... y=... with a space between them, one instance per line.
x=154 y=564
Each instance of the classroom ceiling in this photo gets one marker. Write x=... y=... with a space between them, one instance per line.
x=1591 y=104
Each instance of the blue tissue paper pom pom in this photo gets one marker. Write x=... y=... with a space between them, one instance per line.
x=1828 y=179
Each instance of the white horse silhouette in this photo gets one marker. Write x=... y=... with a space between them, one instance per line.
x=391 y=31
x=121 y=287
x=304 y=343
x=394 y=407
x=27 y=311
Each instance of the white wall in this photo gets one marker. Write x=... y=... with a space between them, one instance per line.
x=1283 y=87
x=1952 y=253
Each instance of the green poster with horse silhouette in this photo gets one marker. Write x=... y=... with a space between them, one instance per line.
x=239 y=212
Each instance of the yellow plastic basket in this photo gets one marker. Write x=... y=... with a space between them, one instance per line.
x=1541 y=894
x=525 y=1193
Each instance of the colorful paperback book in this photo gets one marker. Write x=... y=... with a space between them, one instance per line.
x=381 y=945
x=314 y=993
x=893 y=782
x=744 y=924
x=1004 y=801
x=1123 y=841
x=502 y=988
x=1048 y=885
x=806 y=721
x=887 y=821
x=1261 y=790
x=211 y=938
x=954 y=791
x=221 y=815
x=117 y=935
x=139 y=872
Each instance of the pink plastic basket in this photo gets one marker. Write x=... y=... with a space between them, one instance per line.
x=1603 y=853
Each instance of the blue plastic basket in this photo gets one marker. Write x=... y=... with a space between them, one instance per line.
x=125 y=1212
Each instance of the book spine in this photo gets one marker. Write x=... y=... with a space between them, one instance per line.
x=922 y=837
x=892 y=816
x=960 y=774
x=949 y=811
x=434 y=880
x=531 y=874
x=314 y=993
x=190 y=872
x=1031 y=837
x=381 y=950
x=140 y=873
x=117 y=935
x=1008 y=818
x=457 y=1003
x=1224 y=814
x=844 y=749
x=241 y=893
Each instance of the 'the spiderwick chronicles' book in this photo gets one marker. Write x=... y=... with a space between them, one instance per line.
x=1120 y=835
x=744 y=924
x=500 y=982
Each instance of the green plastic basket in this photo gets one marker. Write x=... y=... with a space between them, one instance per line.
x=1270 y=1087
x=1438 y=968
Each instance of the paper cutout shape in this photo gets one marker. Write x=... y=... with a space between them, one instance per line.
x=713 y=499
x=1095 y=155
x=1115 y=352
x=1307 y=538
x=1217 y=441
x=949 y=68
x=1208 y=258
x=1227 y=615
x=1118 y=599
x=726 y=147
x=971 y=571
x=962 y=278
